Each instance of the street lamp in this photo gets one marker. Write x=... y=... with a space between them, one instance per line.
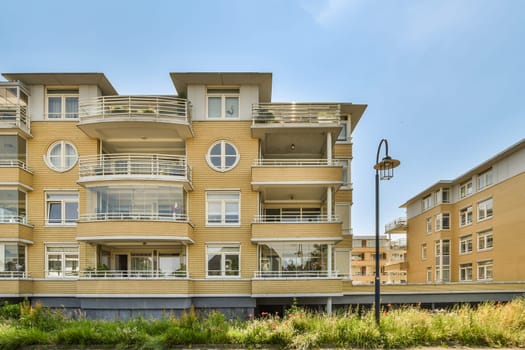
x=384 y=171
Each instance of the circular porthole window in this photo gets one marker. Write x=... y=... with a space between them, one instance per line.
x=61 y=156
x=222 y=156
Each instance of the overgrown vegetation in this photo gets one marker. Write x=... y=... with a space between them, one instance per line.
x=487 y=325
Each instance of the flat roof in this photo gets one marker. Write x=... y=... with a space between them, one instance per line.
x=477 y=169
x=263 y=80
x=98 y=79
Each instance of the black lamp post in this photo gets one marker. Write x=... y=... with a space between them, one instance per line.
x=384 y=171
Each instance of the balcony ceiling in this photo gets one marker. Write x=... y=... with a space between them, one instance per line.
x=306 y=145
x=294 y=193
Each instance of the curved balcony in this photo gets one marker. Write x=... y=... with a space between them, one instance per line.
x=16 y=228
x=112 y=167
x=135 y=116
x=279 y=228
x=13 y=107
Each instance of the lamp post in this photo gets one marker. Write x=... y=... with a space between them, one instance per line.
x=384 y=171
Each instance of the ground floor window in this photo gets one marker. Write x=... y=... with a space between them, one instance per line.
x=295 y=259
x=62 y=261
x=465 y=272
x=12 y=260
x=485 y=270
x=223 y=260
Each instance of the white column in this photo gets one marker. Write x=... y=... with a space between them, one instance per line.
x=329 y=208
x=329 y=261
x=329 y=147
x=329 y=305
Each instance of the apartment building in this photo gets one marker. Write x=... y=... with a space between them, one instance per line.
x=214 y=197
x=391 y=260
x=470 y=229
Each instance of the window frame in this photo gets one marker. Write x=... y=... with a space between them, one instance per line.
x=485 y=236
x=345 y=163
x=465 y=271
x=63 y=94
x=223 y=93
x=62 y=168
x=440 y=218
x=223 y=156
x=426 y=202
x=485 y=209
x=485 y=179
x=464 y=218
x=466 y=189
x=485 y=266
x=344 y=121
x=223 y=261
x=63 y=207
x=428 y=224
x=223 y=203
x=466 y=244
x=424 y=251
x=62 y=273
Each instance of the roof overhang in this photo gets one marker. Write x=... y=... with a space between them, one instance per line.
x=262 y=80
x=355 y=111
x=98 y=79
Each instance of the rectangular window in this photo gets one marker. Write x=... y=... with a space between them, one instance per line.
x=485 y=209
x=465 y=216
x=223 y=260
x=223 y=103
x=429 y=224
x=485 y=179
x=12 y=150
x=346 y=172
x=429 y=274
x=344 y=135
x=427 y=202
x=485 y=240
x=465 y=189
x=62 y=208
x=62 y=261
x=465 y=244
x=465 y=272
x=443 y=221
x=12 y=260
x=442 y=254
x=485 y=270
x=223 y=208
x=12 y=206
x=424 y=251
x=296 y=259
x=62 y=104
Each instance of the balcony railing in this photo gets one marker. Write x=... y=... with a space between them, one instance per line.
x=13 y=274
x=13 y=219
x=298 y=274
x=132 y=274
x=139 y=108
x=14 y=163
x=135 y=165
x=13 y=115
x=264 y=113
x=397 y=223
x=133 y=216
x=296 y=162
x=294 y=218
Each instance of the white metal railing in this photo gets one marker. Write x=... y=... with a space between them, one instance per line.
x=128 y=164
x=13 y=274
x=13 y=219
x=14 y=163
x=130 y=274
x=133 y=216
x=296 y=162
x=263 y=113
x=15 y=115
x=293 y=218
x=298 y=274
x=396 y=223
x=135 y=107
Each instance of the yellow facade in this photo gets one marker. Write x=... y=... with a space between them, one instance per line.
x=483 y=235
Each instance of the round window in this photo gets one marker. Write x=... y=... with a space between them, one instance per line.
x=61 y=156
x=222 y=156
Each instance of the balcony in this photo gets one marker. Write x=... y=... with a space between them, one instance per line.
x=133 y=286
x=16 y=228
x=296 y=173
x=296 y=227
x=398 y=225
x=111 y=167
x=296 y=286
x=16 y=171
x=111 y=118
x=131 y=274
x=134 y=227
x=13 y=107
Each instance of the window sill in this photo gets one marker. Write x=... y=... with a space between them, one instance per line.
x=485 y=219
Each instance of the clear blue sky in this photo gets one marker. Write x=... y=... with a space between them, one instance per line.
x=443 y=79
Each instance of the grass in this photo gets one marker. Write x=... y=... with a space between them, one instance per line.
x=486 y=325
